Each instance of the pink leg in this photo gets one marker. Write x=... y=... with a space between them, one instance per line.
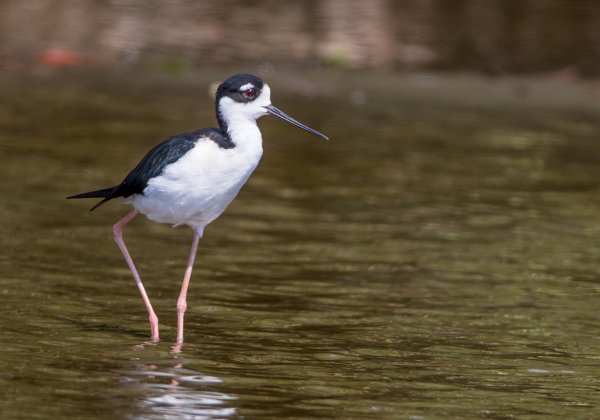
x=118 y=232
x=182 y=301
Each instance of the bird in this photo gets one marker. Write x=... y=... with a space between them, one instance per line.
x=189 y=179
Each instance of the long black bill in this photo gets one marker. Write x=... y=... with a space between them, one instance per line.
x=275 y=111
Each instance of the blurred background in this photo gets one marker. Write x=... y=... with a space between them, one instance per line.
x=496 y=37
x=437 y=259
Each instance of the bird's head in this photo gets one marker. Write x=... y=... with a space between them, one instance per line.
x=247 y=97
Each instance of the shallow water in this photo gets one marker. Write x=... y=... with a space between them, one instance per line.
x=436 y=260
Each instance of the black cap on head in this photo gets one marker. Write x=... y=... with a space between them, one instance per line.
x=231 y=87
x=245 y=88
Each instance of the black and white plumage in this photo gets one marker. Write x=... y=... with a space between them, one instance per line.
x=191 y=178
x=155 y=162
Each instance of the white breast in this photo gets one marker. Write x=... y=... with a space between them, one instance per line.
x=197 y=188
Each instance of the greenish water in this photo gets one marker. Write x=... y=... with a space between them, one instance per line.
x=438 y=259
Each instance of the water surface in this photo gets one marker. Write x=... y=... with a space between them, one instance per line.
x=438 y=259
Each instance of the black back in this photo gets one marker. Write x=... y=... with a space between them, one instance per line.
x=167 y=152
x=155 y=162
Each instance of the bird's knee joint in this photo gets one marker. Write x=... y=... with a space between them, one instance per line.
x=181 y=307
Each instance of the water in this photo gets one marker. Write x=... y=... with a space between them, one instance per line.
x=438 y=259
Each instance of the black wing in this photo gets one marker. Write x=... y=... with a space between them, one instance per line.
x=155 y=161
x=153 y=164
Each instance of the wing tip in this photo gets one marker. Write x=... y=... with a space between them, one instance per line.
x=106 y=194
x=98 y=204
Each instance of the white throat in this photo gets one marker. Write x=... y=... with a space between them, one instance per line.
x=240 y=118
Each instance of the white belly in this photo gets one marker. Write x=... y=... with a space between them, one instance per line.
x=197 y=188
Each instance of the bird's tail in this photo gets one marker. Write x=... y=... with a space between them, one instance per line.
x=106 y=193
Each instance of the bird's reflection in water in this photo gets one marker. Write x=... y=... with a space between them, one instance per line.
x=172 y=391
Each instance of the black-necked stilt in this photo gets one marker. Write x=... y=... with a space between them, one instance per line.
x=190 y=179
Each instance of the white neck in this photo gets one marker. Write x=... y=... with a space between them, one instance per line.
x=240 y=118
x=244 y=133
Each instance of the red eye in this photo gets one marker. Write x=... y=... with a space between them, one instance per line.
x=249 y=93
